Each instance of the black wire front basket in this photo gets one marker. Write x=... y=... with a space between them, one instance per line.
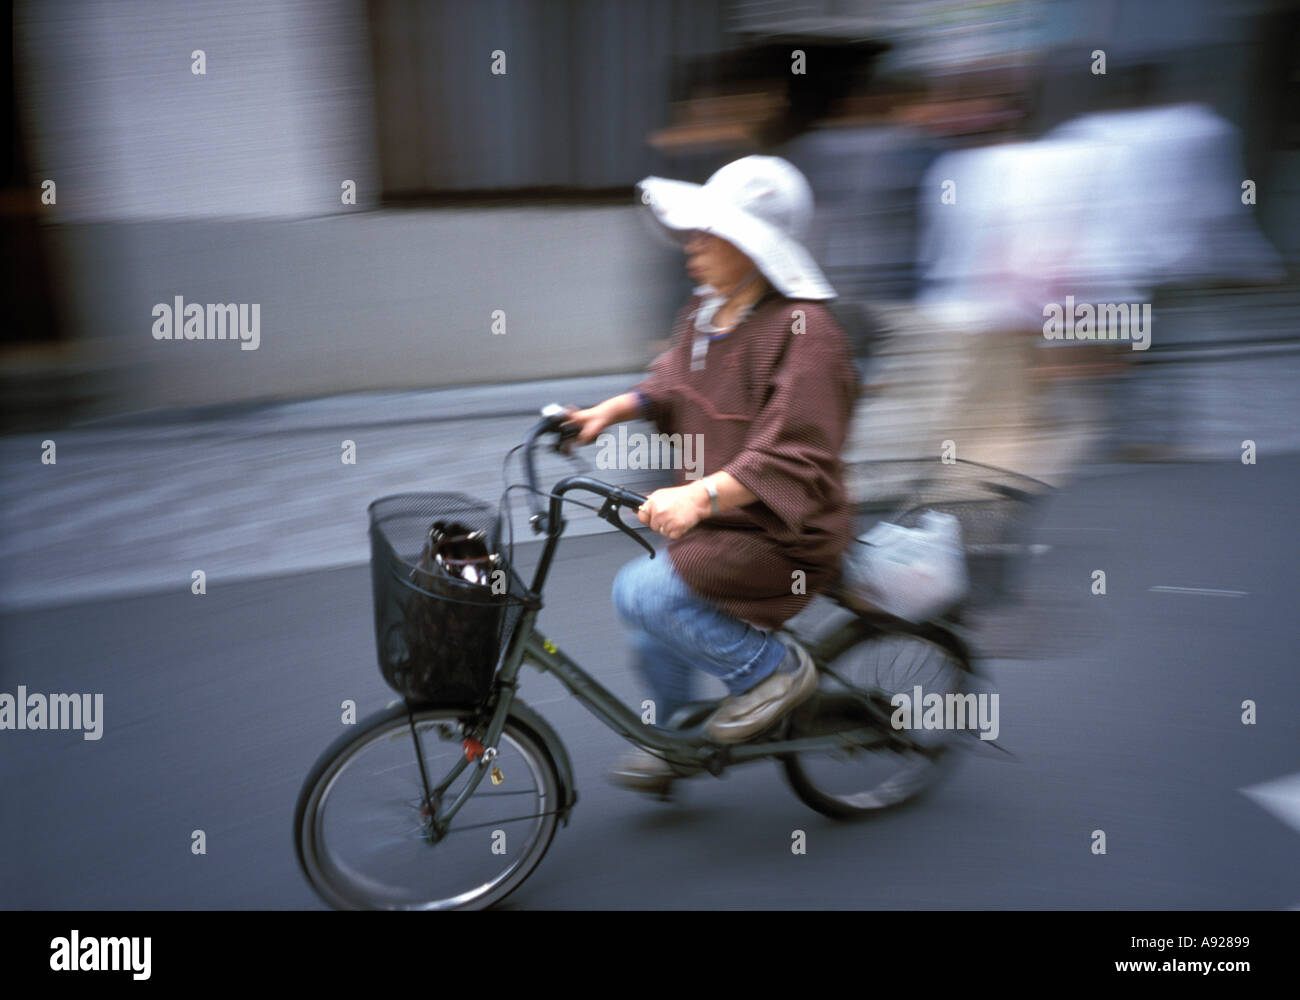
x=996 y=509
x=439 y=637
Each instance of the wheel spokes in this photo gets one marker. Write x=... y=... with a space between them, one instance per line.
x=865 y=778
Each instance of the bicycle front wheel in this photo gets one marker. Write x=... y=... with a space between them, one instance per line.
x=364 y=830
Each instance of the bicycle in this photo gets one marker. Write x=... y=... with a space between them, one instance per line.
x=392 y=815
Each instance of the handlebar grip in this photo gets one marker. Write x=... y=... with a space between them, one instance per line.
x=627 y=498
x=564 y=434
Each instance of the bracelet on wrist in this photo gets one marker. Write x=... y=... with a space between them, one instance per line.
x=713 y=496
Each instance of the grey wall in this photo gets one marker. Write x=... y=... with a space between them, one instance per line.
x=384 y=299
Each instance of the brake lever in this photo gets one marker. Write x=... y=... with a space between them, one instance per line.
x=609 y=511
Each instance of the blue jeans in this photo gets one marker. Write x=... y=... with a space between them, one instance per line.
x=676 y=632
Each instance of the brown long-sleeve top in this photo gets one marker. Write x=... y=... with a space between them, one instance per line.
x=772 y=405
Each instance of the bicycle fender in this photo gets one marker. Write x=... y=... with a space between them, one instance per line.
x=947 y=636
x=527 y=717
x=547 y=736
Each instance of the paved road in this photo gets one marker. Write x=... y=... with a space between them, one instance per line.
x=1123 y=712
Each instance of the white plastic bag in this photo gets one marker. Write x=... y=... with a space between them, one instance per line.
x=911 y=573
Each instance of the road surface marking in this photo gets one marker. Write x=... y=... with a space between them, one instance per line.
x=1280 y=796
x=1200 y=590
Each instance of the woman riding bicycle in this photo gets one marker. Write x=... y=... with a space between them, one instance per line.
x=762 y=375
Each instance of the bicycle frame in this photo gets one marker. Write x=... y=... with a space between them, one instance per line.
x=690 y=749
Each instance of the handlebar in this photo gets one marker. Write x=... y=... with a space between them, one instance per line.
x=616 y=497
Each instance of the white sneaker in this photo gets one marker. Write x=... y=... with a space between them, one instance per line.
x=748 y=714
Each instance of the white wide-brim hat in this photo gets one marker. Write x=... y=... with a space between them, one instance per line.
x=762 y=205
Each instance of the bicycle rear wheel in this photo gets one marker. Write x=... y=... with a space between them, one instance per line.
x=863 y=780
x=363 y=833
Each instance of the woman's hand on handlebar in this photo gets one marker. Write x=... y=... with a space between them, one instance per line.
x=675 y=510
x=595 y=419
x=589 y=422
